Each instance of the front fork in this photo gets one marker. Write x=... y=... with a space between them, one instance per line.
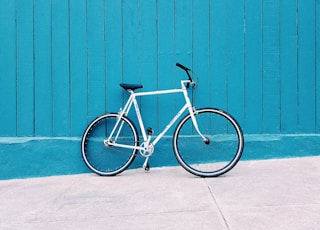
x=195 y=124
x=192 y=112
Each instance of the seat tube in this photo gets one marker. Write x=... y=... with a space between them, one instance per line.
x=143 y=131
x=128 y=105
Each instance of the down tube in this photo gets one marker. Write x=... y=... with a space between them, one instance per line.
x=170 y=124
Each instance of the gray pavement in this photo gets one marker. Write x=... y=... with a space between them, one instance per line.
x=269 y=194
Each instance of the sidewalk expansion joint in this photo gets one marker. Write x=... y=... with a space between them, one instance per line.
x=217 y=205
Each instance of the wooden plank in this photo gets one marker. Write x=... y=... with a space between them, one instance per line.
x=166 y=62
x=148 y=61
x=78 y=66
x=130 y=44
x=235 y=62
x=201 y=50
x=43 y=69
x=130 y=30
x=218 y=53
x=271 y=68
x=306 y=67
x=288 y=60
x=96 y=58
x=183 y=41
x=317 y=28
x=113 y=55
x=60 y=68
x=8 y=69
x=25 y=78
x=253 y=67
x=218 y=43
x=183 y=32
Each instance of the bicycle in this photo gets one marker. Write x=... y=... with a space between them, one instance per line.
x=207 y=142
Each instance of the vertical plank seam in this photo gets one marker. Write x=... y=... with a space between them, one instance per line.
x=17 y=66
x=122 y=52
x=87 y=60
x=192 y=35
x=279 y=68
x=175 y=48
x=244 y=62
x=70 y=74
x=157 y=64
x=209 y=56
x=297 y=61
x=227 y=56
x=34 y=69
x=51 y=66
x=315 y=67
x=262 y=65
x=105 y=54
x=298 y=74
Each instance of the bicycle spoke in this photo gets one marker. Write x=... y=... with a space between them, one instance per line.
x=109 y=160
x=214 y=156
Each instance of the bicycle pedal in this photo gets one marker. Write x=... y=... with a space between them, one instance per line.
x=150 y=131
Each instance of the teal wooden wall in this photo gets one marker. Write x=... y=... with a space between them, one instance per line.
x=61 y=61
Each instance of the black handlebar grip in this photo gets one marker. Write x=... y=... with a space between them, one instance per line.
x=182 y=67
x=187 y=71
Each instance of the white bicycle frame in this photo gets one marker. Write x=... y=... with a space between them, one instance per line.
x=146 y=146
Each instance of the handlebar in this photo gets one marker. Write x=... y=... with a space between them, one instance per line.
x=187 y=71
x=182 y=67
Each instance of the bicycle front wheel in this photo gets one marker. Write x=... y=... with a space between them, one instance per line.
x=216 y=155
x=104 y=159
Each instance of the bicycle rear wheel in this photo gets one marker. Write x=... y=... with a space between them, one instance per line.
x=209 y=158
x=104 y=159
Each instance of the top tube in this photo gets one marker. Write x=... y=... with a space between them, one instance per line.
x=185 y=83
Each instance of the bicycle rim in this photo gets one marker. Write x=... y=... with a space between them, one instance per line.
x=213 y=158
x=108 y=160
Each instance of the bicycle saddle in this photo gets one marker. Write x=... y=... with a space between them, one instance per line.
x=131 y=86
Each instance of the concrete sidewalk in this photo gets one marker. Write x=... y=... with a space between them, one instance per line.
x=271 y=194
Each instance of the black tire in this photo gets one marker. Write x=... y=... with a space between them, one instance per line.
x=107 y=160
x=210 y=158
